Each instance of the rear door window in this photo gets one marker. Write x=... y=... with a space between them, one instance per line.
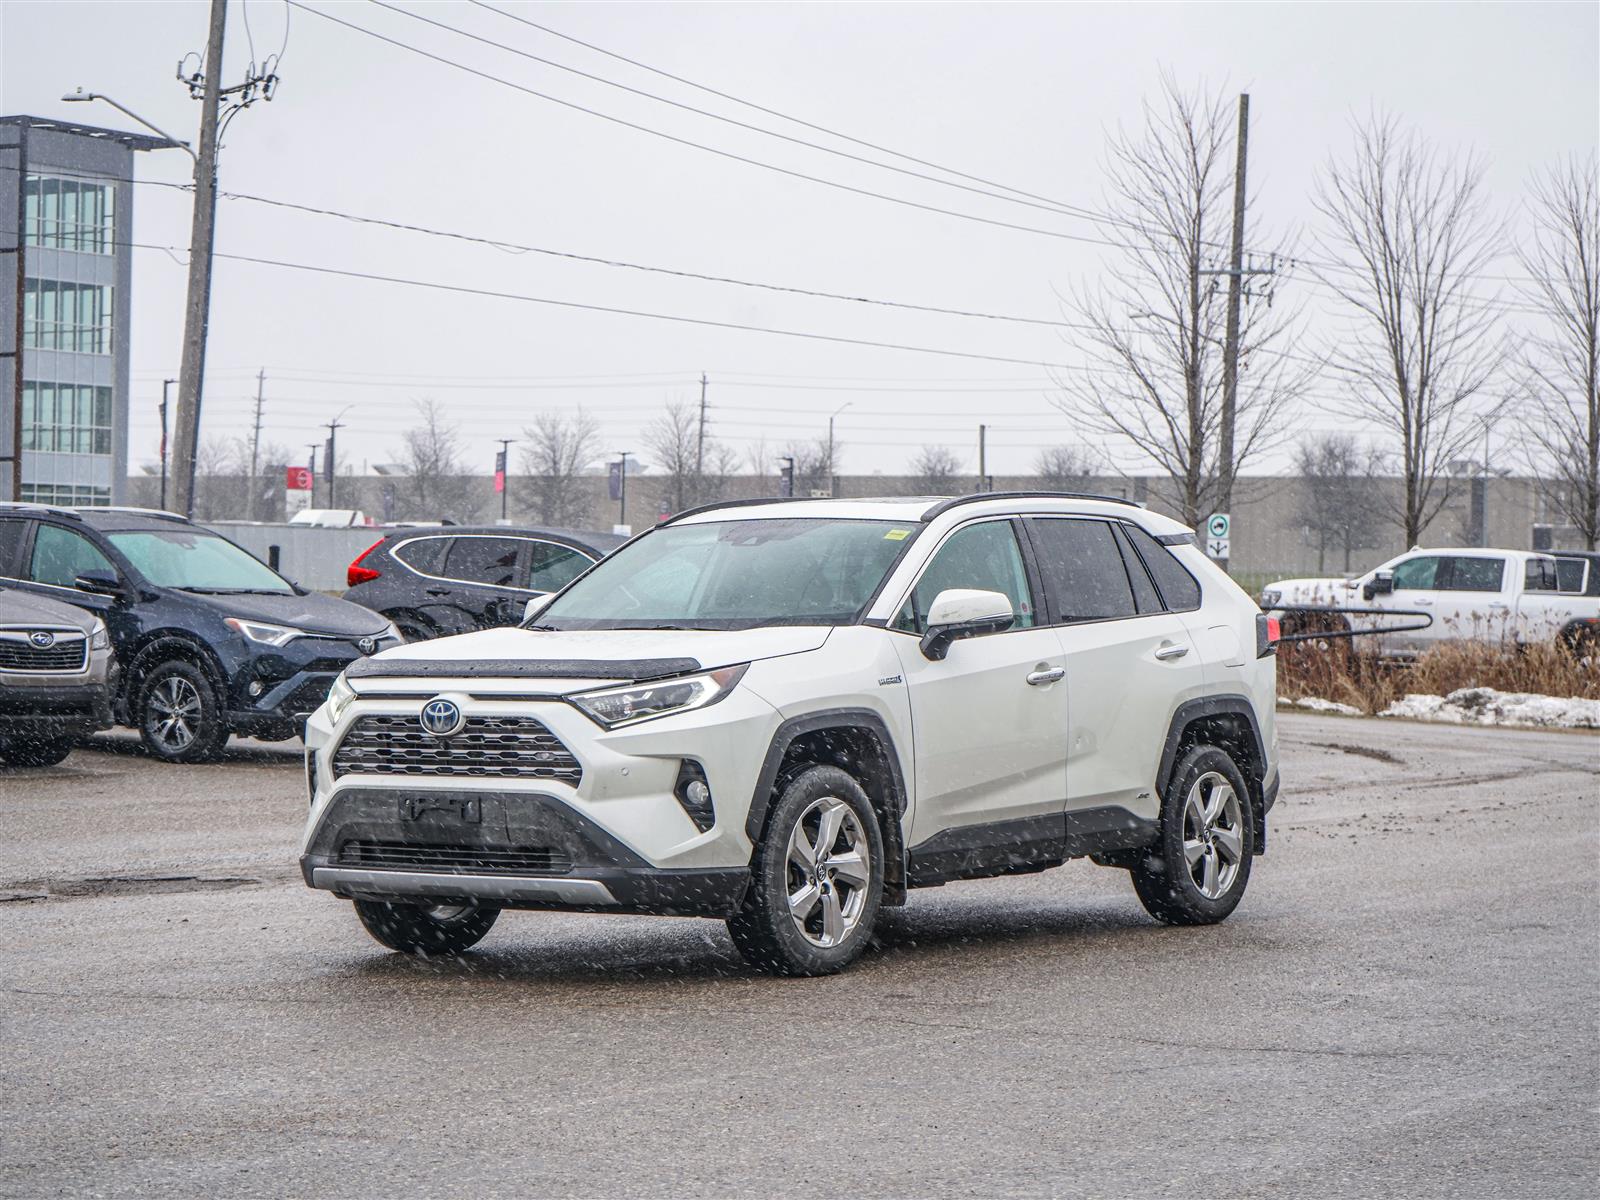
x=1085 y=578
x=551 y=567
x=490 y=560
x=1540 y=575
x=1144 y=591
x=1474 y=574
x=1180 y=591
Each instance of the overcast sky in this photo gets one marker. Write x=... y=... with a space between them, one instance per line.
x=1019 y=94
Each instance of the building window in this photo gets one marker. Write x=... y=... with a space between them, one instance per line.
x=66 y=418
x=57 y=315
x=68 y=214
x=72 y=494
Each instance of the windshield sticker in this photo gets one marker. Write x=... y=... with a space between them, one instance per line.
x=897 y=535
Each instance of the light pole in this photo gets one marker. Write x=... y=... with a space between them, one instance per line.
x=503 y=469
x=833 y=476
x=622 y=487
x=165 y=384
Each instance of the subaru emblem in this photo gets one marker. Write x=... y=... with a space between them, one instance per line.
x=441 y=717
x=367 y=645
x=43 y=639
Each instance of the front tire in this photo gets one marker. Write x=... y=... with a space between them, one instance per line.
x=426 y=930
x=38 y=752
x=817 y=880
x=1197 y=872
x=180 y=714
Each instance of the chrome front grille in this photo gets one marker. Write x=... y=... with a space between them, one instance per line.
x=67 y=654
x=455 y=860
x=503 y=747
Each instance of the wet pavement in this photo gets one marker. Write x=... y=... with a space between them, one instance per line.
x=1405 y=1004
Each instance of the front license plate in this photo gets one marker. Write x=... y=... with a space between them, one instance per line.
x=466 y=809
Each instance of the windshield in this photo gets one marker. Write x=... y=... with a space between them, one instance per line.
x=190 y=560
x=735 y=575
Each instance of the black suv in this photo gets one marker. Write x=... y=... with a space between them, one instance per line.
x=433 y=581
x=210 y=641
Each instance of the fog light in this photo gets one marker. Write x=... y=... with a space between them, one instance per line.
x=697 y=794
x=255 y=688
x=693 y=794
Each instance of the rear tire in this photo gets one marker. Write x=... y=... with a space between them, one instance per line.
x=1197 y=872
x=817 y=879
x=37 y=752
x=180 y=714
x=426 y=930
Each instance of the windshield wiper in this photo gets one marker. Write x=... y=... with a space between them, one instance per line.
x=226 y=591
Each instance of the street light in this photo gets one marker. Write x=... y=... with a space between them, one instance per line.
x=80 y=96
x=833 y=476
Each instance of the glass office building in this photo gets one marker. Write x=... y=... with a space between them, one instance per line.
x=65 y=268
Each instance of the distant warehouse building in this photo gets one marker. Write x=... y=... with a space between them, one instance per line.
x=66 y=218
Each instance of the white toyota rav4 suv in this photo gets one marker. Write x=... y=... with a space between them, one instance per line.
x=786 y=714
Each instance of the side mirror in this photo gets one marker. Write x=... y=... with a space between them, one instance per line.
x=98 y=583
x=1381 y=584
x=963 y=612
x=536 y=606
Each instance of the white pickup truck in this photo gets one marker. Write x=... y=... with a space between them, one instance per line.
x=1484 y=595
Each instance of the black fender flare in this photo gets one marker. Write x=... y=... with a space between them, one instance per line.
x=892 y=803
x=161 y=648
x=1255 y=773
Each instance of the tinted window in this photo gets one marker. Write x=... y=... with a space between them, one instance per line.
x=1179 y=589
x=1569 y=571
x=1540 y=575
x=424 y=554
x=552 y=567
x=10 y=545
x=1476 y=574
x=983 y=556
x=1083 y=571
x=490 y=560
x=60 y=556
x=1418 y=574
x=1144 y=592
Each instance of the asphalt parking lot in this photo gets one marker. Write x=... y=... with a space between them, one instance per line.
x=1405 y=1004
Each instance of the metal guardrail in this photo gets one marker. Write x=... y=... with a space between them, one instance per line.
x=1285 y=610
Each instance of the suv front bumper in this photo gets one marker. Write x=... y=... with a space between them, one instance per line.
x=440 y=846
x=56 y=708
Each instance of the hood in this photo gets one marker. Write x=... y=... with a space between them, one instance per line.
x=21 y=608
x=574 y=659
x=1330 y=590
x=313 y=613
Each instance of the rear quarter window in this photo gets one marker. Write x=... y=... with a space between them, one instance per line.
x=1180 y=591
x=423 y=554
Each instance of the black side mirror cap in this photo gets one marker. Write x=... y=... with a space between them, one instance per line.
x=935 y=644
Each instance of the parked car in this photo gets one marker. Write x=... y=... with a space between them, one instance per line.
x=1511 y=596
x=211 y=641
x=56 y=675
x=1578 y=571
x=785 y=714
x=434 y=581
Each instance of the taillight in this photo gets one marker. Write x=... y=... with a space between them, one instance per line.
x=1268 y=631
x=355 y=573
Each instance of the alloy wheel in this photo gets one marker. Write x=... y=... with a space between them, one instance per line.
x=830 y=872
x=173 y=713
x=1213 y=834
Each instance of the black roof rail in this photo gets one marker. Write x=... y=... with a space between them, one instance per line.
x=158 y=514
x=975 y=497
x=59 y=510
x=716 y=504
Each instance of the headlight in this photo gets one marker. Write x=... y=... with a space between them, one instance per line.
x=99 y=639
x=1270 y=598
x=339 y=697
x=635 y=702
x=260 y=631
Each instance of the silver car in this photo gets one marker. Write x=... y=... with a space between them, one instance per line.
x=56 y=672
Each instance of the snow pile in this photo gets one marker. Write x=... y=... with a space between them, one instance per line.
x=1486 y=706
x=1317 y=704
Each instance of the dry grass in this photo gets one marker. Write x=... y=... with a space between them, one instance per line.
x=1347 y=675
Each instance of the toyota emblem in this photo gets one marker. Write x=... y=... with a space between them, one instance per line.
x=367 y=645
x=42 y=639
x=441 y=717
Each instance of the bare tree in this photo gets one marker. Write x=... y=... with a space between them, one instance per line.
x=673 y=439
x=1340 y=502
x=559 y=447
x=1560 y=364
x=935 y=471
x=812 y=470
x=1067 y=468
x=1154 y=378
x=1408 y=230
x=435 y=485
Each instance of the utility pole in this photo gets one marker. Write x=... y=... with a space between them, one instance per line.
x=1230 y=359
x=503 y=469
x=311 y=464
x=330 y=459
x=165 y=385
x=700 y=438
x=255 y=445
x=622 y=488
x=983 y=468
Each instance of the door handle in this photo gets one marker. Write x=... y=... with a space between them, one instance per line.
x=1046 y=675
x=436 y=591
x=1423 y=602
x=1499 y=605
x=1169 y=652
